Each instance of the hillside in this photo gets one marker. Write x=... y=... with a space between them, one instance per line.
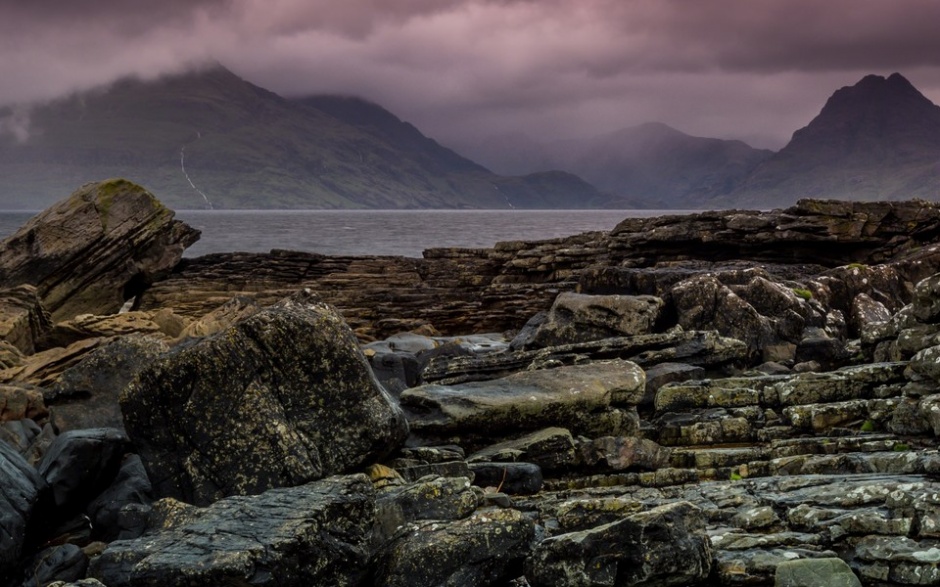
x=876 y=140
x=652 y=164
x=209 y=138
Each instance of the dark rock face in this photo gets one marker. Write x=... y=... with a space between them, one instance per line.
x=314 y=534
x=281 y=398
x=483 y=549
x=81 y=463
x=20 y=487
x=92 y=251
x=664 y=546
x=86 y=395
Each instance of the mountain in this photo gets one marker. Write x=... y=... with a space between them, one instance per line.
x=209 y=138
x=876 y=140
x=651 y=164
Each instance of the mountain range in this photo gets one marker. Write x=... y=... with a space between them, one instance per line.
x=210 y=139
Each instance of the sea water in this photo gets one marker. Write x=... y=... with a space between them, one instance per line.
x=375 y=232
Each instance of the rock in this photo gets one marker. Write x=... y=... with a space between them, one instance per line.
x=926 y=363
x=575 y=318
x=898 y=559
x=866 y=313
x=705 y=349
x=23 y=320
x=622 y=453
x=65 y=563
x=20 y=490
x=314 y=534
x=666 y=545
x=91 y=252
x=130 y=487
x=87 y=394
x=663 y=373
x=44 y=368
x=279 y=399
x=28 y=438
x=10 y=356
x=815 y=572
x=126 y=323
x=704 y=303
x=926 y=302
x=552 y=449
x=21 y=401
x=485 y=549
x=581 y=397
x=235 y=309
x=438 y=498
x=509 y=478
x=80 y=464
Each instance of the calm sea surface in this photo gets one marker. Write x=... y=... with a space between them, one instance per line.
x=374 y=232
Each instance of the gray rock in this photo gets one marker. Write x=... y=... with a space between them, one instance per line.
x=865 y=314
x=926 y=363
x=65 y=562
x=281 y=398
x=663 y=373
x=439 y=498
x=575 y=318
x=509 y=478
x=314 y=534
x=552 y=449
x=484 y=549
x=80 y=464
x=926 y=303
x=20 y=487
x=87 y=394
x=666 y=545
x=580 y=397
x=130 y=487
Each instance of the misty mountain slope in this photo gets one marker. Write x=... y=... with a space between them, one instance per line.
x=656 y=162
x=652 y=164
x=245 y=147
x=876 y=140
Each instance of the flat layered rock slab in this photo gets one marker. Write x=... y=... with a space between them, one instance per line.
x=564 y=396
x=315 y=534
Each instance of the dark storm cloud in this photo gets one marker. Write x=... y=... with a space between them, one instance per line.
x=462 y=69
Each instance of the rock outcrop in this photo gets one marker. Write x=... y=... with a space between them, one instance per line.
x=281 y=398
x=93 y=251
x=736 y=398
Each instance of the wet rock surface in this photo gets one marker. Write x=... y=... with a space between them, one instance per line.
x=727 y=398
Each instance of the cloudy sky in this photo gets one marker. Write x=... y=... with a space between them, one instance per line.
x=462 y=70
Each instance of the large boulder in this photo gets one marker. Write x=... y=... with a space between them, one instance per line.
x=94 y=250
x=282 y=398
x=314 y=534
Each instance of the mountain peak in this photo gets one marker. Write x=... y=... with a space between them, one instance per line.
x=876 y=140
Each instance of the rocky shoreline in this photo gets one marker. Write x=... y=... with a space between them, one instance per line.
x=724 y=398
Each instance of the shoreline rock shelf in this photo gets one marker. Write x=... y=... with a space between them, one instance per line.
x=717 y=399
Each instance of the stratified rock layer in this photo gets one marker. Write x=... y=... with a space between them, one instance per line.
x=94 y=250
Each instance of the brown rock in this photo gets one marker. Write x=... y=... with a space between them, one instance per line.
x=96 y=249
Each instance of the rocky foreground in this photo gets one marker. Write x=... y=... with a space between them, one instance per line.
x=726 y=398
